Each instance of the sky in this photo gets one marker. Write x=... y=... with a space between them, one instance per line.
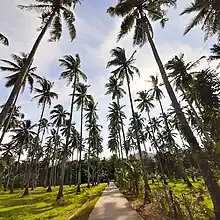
x=96 y=36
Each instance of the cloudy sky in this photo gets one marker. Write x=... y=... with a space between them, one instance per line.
x=96 y=36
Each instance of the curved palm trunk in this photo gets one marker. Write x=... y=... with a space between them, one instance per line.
x=63 y=163
x=5 y=129
x=22 y=75
x=147 y=196
x=80 y=151
x=207 y=173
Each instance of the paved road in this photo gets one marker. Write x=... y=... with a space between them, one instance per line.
x=112 y=205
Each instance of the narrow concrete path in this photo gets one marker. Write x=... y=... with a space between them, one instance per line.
x=112 y=205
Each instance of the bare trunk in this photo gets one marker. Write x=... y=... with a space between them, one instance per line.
x=80 y=151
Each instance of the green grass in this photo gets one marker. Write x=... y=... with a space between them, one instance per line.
x=42 y=205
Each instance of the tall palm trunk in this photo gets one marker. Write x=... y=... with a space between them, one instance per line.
x=35 y=178
x=147 y=197
x=207 y=173
x=122 y=129
x=80 y=150
x=52 y=170
x=70 y=169
x=22 y=75
x=88 y=168
x=63 y=162
x=5 y=129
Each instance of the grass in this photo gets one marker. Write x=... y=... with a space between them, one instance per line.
x=41 y=205
x=178 y=187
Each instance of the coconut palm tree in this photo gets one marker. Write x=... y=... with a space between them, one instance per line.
x=44 y=95
x=82 y=99
x=206 y=15
x=52 y=12
x=91 y=118
x=73 y=75
x=114 y=87
x=12 y=121
x=145 y=104
x=15 y=68
x=183 y=80
x=125 y=71
x=115 y=116
x=4 y=40
x=25 y=135
x=58 y=115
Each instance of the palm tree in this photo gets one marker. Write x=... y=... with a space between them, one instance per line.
x=58 y=115
x=91 y=118
x=207 y=14
x=52 y=12
x=44 y=96
x=82 y=99
x=15 y=67
x=125 y=70
x=4 y=40
x=73 y=74
x=183 y=82
x=26 y=134
x=12 y=121
x=114 y=87
x=145 y=104
x=115 y=116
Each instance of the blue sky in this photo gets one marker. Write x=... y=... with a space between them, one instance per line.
x=96 y=36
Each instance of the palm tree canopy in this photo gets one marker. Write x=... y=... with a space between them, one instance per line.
x=58 y=115
x=24 y=134
x=58 y=9
x=137 y=14
x=125 y=68
x=156 y=91
x=180 y=70
x=207 y=15
x=15 y=68
x=72 y=69
x=44 y=94
x=91 y=111
x=114 y=87
x=4 y=40
x=215 y=53
x=145 y=101
x=81 y=95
